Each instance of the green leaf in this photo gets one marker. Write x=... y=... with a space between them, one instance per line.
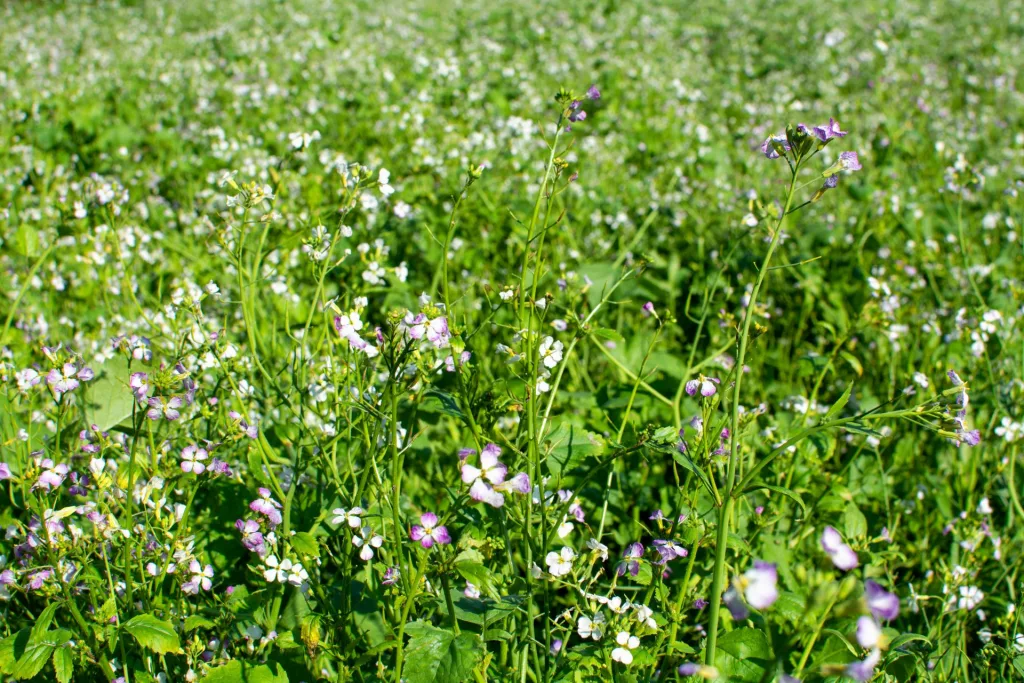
x=856 y=524
x=781 y=490
x=570 y=446
x=905 y=638
x=196 y=621
x=305 y=543
x=442 y=403
x=1018 y=664
x=108 y=398
x=439 y=656
x=63 y=664
x=236 y=672
x=38 y=652
x=684 y=460
x=839 y=404
x=744 y=655
x=154 y=634
x=11 y=649
x=470 y=566
x=606 y=333
x=43 y=621
x=644 y=576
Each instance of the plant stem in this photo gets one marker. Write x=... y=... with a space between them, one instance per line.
x=725 y=512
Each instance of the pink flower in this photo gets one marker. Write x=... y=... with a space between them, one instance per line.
x=427 y=532
x=487 y=482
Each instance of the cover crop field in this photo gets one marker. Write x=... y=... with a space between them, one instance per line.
x=513 y=341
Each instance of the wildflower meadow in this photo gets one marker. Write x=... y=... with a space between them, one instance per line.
x=517 y=341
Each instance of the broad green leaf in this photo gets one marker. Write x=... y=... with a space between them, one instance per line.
x=108 y=398
x=239 y=672
x=570 y=446
x=744 y=654
x=38 y=652
x=154 y=634
x=855 y=524
x=43 y=621
x=63 y=664
x=305 y=544
x=11 y=649
x=195 y=621
x=439 y=656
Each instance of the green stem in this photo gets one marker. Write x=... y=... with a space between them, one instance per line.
x=725 y=512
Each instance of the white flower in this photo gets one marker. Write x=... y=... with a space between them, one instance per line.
x=984 y=507
x=351 y=517
x=297 y=575
x=645 y=615
x=600 y=548
x=366 y=540
x=276 y=571
x=560 y=563
x=591 y=628
x=626 y=643
x=383 y=180
x=970 y=597
x=550 y=352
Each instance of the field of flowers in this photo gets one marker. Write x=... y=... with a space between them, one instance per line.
x=514 y=341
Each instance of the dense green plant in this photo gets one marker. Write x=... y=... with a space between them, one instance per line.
x=351 y=343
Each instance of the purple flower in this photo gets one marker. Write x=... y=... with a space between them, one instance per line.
x=669 y=550
x=67 y=378
x=5 y=471
x=252 y=536
x=883 y=604
x=708 y=386
x=192 y=458
x=52 y=475
x=848 y=161
x=487 y=482
x=689 y=669
x=593 y=93
x=268 y=507
x=829 y=131
x=631 y=559
x=139 y=384
x=427 y=532
x=391 y=575
x=437 y=332
x=775 y=144
x=648 y=308
x=842 y=555
x=165 y=408
x=578 y=115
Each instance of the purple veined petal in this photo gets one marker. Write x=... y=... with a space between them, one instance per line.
x=849 y=161
x=593 y=93
x=441 y=535
x=883 y=604
x=496 y=474
x=470 y=474
x=707 y=387
x=495 y=499
x=428 y=519
x=520 y=483
x=481 y=491
x=692 y=386
x=490 y=454
x=427 y=541
x=832 y=181
x=955 y=378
